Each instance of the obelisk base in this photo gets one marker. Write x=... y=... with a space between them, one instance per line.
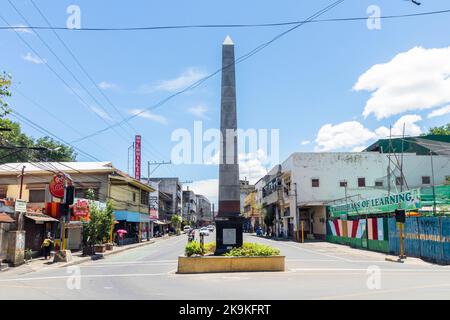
x=229 y=234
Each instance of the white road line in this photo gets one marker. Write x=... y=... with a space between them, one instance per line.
x=87 y=276
x=365 y=270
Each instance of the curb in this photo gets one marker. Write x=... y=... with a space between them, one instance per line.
x=394 y=259
x=108 y=253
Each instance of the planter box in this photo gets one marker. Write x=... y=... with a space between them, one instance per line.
x=109 y=246
x=100 y=248
x=230 y=264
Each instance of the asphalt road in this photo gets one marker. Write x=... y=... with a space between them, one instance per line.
x=313 y=271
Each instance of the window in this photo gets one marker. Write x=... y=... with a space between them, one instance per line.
x=83 y=193
x=37 y=196
x=361 y=182
x=134 y=196
x=378 y=183
x=3 y=192
x=426 y=180
x=144 y=197
x=398 y=181
x=315 y=183
x=343 y=183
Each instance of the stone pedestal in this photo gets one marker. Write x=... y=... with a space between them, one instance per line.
x=229 y=234
x=16 y=248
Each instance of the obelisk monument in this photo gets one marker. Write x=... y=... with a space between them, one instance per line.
x=228 y=220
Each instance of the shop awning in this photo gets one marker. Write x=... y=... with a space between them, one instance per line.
x=131 y=216
x=159 y=222
x=4 y=218
x=40 y=217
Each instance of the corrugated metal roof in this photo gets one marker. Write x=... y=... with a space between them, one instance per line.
x=40 y=217
x=4 y=218
x=44 y=167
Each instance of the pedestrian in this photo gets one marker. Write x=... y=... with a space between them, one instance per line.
x=47 y=245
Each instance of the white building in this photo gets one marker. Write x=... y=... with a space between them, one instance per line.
x=303 y=186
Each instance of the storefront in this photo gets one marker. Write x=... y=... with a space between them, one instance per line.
x=37 y=226
x=135 y=223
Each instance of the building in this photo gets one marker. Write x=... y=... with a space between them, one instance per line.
x=170 y=187
x=204 y=212
x=189 y=208
x=300 y=189
x=252 y=212
x=100 y=180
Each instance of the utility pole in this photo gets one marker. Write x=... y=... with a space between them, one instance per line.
x=157 y=164
x=432 y=177
x=20 y=215
x=130 y=148
x=401 y=162
x=389 y=164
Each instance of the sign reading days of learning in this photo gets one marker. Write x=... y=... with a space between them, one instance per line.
x=409 y=200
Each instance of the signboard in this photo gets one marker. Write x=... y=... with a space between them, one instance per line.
x=56 y=186
x=81 y=208
x=20 y=206
x=154 y=201
x=408 y=200
x=137 y=158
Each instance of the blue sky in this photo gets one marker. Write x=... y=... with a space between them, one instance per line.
x=303 y=84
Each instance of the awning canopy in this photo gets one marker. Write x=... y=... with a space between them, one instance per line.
x=159 y=222
x=40 y=217
x=131 y=216
x=4 y=218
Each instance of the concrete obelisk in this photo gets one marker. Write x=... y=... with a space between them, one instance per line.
x=228 y=221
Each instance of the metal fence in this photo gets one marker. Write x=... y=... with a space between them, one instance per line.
x=425 y=237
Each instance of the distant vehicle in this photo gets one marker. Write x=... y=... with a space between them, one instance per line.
x=210 y=228
x=204 y=231
x=187 y=229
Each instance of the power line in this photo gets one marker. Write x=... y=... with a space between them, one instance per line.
x=201 y=81
x=216 y=26
x=65 y=67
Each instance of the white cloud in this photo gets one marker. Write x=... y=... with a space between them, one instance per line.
x=252 y=165
x=199 y=111
x=411 y=128
x=22 y=29
x=439 y=112
x=187 y=78
x=33 y=59
x=344 y=135
x=107 y=85
x=209 y=188
x=101 y=113
x=305 y=142
x=417 y=79
x=358 y=148
x=148 y=115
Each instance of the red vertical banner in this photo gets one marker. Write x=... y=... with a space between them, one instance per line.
x=137 y=158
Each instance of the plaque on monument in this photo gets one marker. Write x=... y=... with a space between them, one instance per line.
x=229 y=236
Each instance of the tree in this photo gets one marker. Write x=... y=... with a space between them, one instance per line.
x=98 y=229
x=442 y=130
x=14 y=137
x=5 y=83
x=176 y=221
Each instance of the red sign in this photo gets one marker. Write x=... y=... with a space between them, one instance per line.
x=56 y=186
x=81 y=208
x=153 y=214
x=137 y=158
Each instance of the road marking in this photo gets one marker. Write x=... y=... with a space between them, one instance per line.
x=365 y=270
x=87 y=276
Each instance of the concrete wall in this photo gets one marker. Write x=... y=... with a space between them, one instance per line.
x=4 y=228
x=122 y=198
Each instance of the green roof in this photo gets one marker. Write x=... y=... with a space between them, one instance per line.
x=422 y=145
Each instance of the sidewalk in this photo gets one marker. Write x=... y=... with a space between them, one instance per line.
x=39 y=264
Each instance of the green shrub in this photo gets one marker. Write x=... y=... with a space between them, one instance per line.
x=210 y=247
x=192 y=248
x=249 y=249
